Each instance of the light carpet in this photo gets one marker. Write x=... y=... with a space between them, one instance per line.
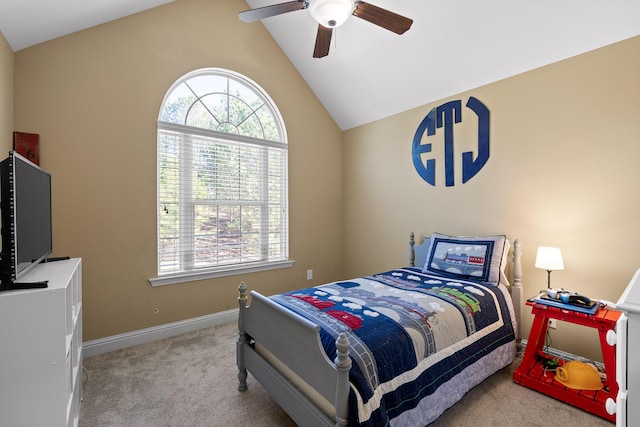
x=191 y=380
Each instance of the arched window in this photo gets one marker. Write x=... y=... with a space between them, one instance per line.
x=222 y=179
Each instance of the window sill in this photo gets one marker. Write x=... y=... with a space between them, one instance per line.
x=171 y=279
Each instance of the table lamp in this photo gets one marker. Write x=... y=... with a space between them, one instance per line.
x=549 y=259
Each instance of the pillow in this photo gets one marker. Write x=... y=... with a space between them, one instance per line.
x=466 y=258
x=503 y=266
x=420 y=252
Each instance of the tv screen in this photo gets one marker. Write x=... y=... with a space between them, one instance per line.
x=26 y=216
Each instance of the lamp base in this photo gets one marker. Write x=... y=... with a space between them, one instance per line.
x=548 y=279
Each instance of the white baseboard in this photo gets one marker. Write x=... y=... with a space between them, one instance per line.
x=141 y=336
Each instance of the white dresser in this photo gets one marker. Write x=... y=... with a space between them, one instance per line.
x=627 y=404
x=41 y=348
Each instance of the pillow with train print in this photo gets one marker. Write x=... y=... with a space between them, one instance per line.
x=476 y=258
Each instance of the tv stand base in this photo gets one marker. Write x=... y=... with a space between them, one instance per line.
x=23 y=285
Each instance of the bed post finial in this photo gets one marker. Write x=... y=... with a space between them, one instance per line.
x=517 y=264
x=516 y=290
x=242 y=293
x=412 y=253
x=343 y=365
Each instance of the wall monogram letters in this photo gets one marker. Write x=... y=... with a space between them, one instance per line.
x=445 y=116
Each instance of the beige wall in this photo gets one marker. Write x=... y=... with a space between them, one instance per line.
x=6 y=97
x=94 y=98
x=562 y=168
x=563 y=172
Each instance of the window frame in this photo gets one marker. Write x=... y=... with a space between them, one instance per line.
x=186 y=131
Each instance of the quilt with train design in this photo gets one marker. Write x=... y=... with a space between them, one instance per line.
x=416 y=339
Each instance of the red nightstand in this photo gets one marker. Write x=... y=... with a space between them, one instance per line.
x=531 y=373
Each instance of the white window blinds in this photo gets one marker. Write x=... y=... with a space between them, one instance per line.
x=222 y=194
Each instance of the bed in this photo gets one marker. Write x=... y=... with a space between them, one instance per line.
x=394 y=348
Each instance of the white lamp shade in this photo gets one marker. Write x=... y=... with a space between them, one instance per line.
x=549 y=258
x=331 y=13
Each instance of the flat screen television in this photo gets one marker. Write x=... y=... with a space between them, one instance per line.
x=26 y=219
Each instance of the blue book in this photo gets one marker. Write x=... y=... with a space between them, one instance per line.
x=587 y=308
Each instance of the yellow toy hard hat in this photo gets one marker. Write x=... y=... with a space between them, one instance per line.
x=579 y=375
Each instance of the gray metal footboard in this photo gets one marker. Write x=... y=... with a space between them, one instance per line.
x=295 y=341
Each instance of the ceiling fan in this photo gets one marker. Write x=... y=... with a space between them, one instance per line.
x=331 y=14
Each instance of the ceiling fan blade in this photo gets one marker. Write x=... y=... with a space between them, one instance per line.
x=323 y=41
x=382 y=17
x=273 y=10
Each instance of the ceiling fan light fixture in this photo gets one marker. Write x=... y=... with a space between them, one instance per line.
x=331 y=13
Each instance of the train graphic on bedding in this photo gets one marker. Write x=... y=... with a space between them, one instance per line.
x=460 y=263
x=464 y=300
x=464 y=259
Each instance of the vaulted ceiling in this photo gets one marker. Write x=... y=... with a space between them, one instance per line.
x=371 y=73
